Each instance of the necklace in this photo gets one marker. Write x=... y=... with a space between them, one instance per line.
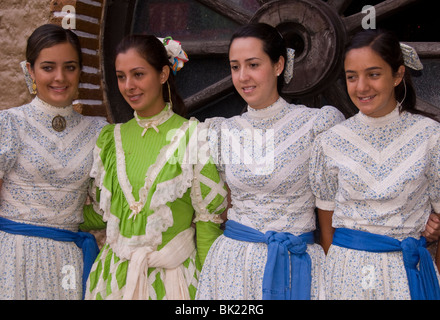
x=59 y=114
x=59 y=123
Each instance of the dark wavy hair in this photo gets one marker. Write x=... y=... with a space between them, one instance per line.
x=386 y=44
x=154 y=52
x=47 y=36
x=273 y=43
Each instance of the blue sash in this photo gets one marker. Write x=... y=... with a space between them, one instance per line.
x=83 y=240
x=285 y=278
x=423 y=282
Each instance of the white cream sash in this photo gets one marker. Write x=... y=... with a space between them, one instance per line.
x=170 y=258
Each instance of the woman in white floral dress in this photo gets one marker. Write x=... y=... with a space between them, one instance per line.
x=376 y=179
x=263 y=155
x=46 y=154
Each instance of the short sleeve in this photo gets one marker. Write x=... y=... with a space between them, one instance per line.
x=323 y=178
x=104 y=146
x=104 y=156
x=328 y=117
x=10 y=143
x=213 y=136
x=208 y=193
x=433 y=173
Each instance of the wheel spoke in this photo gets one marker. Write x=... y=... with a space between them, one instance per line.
x=339 y=5
x=229 y=10
x=262 y=2
x=383 y=10
x=209 y=94
x=194 y=48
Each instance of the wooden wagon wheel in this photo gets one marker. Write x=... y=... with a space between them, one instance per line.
x=318 y=31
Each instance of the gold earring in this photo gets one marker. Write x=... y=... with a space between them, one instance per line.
x=34 y=87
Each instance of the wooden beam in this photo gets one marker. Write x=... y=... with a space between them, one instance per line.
x=339 y=5
x=228 y=10
x=426 y=50
x=209 y=94
x=193 y=48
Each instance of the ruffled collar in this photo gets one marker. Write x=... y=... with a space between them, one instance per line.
x=154 y=121
x=380 y=121
x=267 y=112
x=52 y=110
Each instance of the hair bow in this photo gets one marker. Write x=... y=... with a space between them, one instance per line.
x=176 y=55
x=27 y=76
x=288 y=72
x=410 y=57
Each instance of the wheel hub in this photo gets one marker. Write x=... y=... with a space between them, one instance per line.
x=317 y=34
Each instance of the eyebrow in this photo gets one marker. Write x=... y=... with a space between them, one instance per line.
x=53 y=62
x=368 y=69
x=249 y=59
x=131 y=70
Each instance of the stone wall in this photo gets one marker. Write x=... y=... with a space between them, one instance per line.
x=17 y=21
x=18 y=18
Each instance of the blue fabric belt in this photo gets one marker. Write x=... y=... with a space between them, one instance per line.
x=285 y=277
x=83 y=240
x=423 y=282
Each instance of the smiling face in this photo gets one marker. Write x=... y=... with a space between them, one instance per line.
x=139 y=83
x=56 y=72
x=371 y=82
x=253 y=74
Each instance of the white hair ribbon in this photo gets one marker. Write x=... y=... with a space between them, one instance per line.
x=288 y=72
x=410 y=57
x=27 y=76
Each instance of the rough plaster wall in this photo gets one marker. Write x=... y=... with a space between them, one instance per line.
x=18 y=18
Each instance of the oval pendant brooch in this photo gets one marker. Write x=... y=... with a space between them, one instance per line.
x=59 y=123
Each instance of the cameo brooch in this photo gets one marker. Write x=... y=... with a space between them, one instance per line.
x=59 y=123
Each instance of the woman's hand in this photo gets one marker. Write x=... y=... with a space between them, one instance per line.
x=432 y=229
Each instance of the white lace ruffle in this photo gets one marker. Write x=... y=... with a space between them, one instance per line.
x=167 y=191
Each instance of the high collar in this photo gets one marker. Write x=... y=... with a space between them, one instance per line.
x=154 y=121
x=50 y=109
x=268 y=112
x=380 y=121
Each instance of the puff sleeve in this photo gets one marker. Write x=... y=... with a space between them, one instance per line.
x=433 y=172
x=328 y=117
x=10 y=143
x=323 y=177
x=209 y=196
x=213 y=138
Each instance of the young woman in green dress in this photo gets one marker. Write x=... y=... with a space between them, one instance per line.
x=161 y=202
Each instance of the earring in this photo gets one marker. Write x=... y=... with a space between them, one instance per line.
x=169 y=95
x=34 y=87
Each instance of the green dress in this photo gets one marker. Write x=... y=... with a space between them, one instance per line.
x=153 y=182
